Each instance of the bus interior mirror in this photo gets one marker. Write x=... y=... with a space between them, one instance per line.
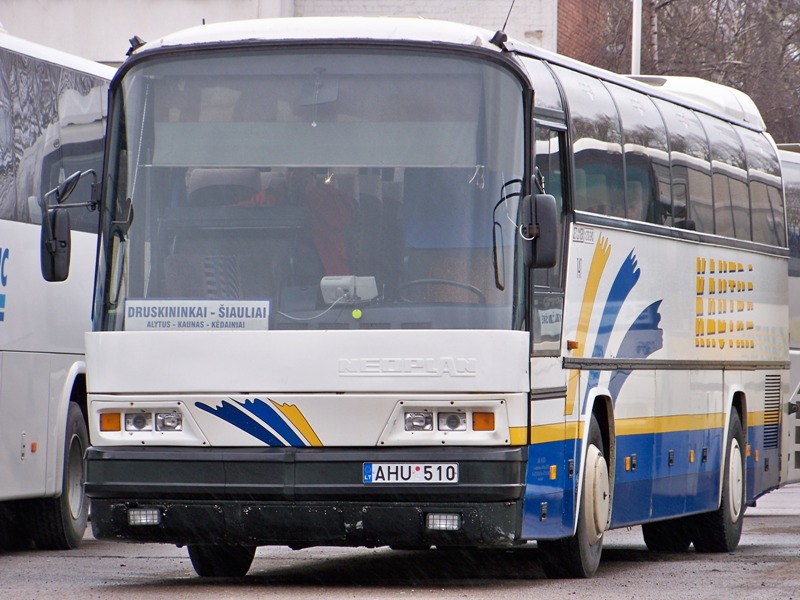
x=323 y=90
x=56 y=245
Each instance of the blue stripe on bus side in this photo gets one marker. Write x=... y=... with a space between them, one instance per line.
x=652 y=491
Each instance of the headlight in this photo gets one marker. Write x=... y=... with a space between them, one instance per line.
x=419 y=421
x=169 y=421
x=138 y=422
x=450 y=421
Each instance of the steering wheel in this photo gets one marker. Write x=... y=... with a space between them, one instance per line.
x=415 y=282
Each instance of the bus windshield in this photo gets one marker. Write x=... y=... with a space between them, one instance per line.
x=313 y=190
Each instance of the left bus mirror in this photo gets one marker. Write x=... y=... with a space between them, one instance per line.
x=56 y=240
x=539 y=228
x=66 y=187
x=56 y=245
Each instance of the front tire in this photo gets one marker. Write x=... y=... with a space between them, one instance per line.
x=578 y=556
x=721 y=530
x=221 y=561
x=672 y=535
x=60 y=523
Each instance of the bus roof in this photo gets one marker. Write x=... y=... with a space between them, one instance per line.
x=56 y=57
x=706 y=96
x=328 y=28
x=721 y=98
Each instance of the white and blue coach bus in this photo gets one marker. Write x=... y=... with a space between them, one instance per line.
x=790 y=170
x=52 y=123
x=369 y=282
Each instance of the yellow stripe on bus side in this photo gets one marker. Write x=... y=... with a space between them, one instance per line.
x=518 y=436
x=558 y=432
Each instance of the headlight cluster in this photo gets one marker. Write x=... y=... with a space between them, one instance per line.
x=141 y=421
x=423 y=420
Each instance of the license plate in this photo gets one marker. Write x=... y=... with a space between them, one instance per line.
x=410 y=472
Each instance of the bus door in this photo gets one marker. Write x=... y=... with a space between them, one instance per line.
x=551 y=446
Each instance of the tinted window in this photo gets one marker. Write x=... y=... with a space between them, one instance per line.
x=7 y=191
x=548 y=296
x=545 y=90
x=691 y=169
x=596 y=144
x=731 y=197
x=763 y=171
x=646 y=152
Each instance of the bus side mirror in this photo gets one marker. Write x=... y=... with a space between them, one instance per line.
x=56 y=245
x=539 y=228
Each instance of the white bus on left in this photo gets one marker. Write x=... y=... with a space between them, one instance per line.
x=52 y=122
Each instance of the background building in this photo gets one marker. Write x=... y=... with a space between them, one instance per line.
x=100 y=29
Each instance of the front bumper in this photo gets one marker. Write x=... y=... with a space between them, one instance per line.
x=303 y=496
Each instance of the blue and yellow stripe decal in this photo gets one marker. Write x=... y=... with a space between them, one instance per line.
x=601 y=254
x=643 y=337
x=272 y=423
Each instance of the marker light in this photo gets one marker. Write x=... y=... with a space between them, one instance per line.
x=169 y=422
x=443 y=521
x=144 y=516
x=452 y=421
x=138 y=422
x=419 y=421
x=110 y=422
x=482 y=421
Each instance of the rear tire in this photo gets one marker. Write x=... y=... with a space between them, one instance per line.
x=60 y=523
x=721 y=530
x=221 y=561
x=578 y=556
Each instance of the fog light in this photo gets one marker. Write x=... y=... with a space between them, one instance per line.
x=419 y=421
x=144 y=516
x=443 y=521
x=169 y=421
x=138 y=422
x=452 y=422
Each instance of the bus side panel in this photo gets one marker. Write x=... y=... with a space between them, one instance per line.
x=24 y=399
x=694 y=311
x=763 y=391
x=549 y=507
x=550 y=484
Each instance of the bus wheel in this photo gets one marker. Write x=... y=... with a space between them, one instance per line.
x=59 y=523
x=720 y=530
x=672 y=535
x=579 y=556
x=221 y=561
x=13 y=531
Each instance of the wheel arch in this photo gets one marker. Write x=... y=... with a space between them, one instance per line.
x=736 y=403
x=601 y=407
x=73 y=390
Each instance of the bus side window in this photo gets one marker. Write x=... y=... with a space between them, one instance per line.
x=597 y=144
x=646 y=153
x=764 y=173
x=548 y=289
x=690 y=161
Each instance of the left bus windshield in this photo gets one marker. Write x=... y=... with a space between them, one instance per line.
x=314 y=189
